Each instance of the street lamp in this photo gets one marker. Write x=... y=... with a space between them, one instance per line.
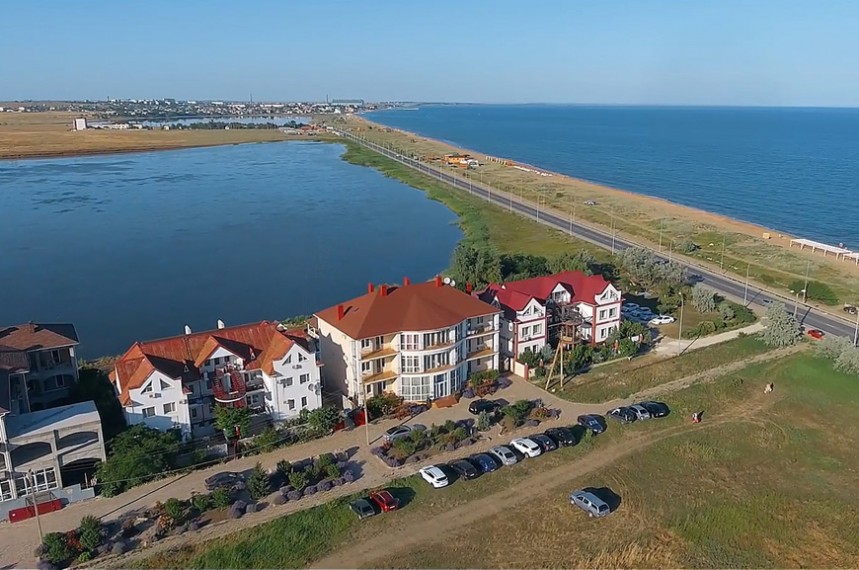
x=746 y=290
x=856 y=333
x=612 y=230
x=796 y=300
x=680 y=327
x=29 y=478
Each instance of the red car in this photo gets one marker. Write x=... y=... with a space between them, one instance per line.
x=815 y=334
x=386 y=501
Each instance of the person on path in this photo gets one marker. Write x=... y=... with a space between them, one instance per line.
x=696 y=417
x=770 y=387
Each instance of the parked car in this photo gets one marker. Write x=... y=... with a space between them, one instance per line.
x=594 y=422
x=851 y=309
x=397 y=432
x=226 y=479
x=656 y=409
x=362 y=508
x=464 y=469
x=630 y=306
x=622 y=414
x=504 y=455
x=434 y=476
x=545 y=442
x=590 y=503
x=386 y=501
x=526 y=447
x=816 y=334
x=484 y=462
x=482 y=405
x=661 y=320
x=640 y=412
x=562 y=436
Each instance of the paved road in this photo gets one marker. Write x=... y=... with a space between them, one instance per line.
x=724 y=284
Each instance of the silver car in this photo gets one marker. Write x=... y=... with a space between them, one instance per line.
x=504 y=455
x=590 y=503
x=640 y=412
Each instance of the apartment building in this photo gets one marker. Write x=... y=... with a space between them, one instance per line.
x=176 y=382
x=44 y=445
x=420 y=341
x=531 y=309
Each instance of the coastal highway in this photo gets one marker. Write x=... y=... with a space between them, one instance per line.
x=809 y=317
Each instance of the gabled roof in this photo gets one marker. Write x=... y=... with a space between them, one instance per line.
x=181 y=357
x=38 y=336
x=509 y=300
x=514 y=295
x=414 y=307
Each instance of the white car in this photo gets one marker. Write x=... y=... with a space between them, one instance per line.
x=504 y=455
x=640 y=412
x=434 y=476
x=661 y=320
x=527 y=447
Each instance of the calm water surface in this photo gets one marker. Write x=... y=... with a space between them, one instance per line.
x=795 y=170
x=134 y=246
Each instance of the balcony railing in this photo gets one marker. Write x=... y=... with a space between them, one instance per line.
x=480 y=329
x=380 y=376
x=381 y=352
x=480 y=352
x=229 y=387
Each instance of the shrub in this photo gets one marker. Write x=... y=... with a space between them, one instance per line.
x=258 y=483
x=174 y=509
x=89 y=532
x=517 y=412
x=201 y=503
x=484 y=422
x=323 y=420
x=383 y=404
x=284 y=467
x=707 y=327
x=726 y=311
x=348 y=476
x=57 y=549
x=325 y=459
x=298 y=480
x=332 y=471
x=267 y=441
x=337 y=481
x=816 y=291
x=842 y=351
x=137 y=455
x=703 y=298
x=221 y=498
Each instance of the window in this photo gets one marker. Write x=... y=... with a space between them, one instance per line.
x=525 y=332
x=289 y=381
x=436 y=360
x=217 y=360
x=527 y=310
x=410 y=342
x=411 y=364
x=164 y=386
x=288 y=360
x=59 y=381
x=5 y=490
x=510 y=325
x=304 y=379
x=304 y=401
x=604 y=333
x=434 y=339
x=416 y=389
x=170 y=408
x=290 y=404
x=148 y=412
x=208 y=384
x=193 y=413
x=301 y=357
x=366 y=367
x=612 y=312
x=537 y=330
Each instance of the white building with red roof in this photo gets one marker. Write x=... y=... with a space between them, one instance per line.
x=531 y=307
x=176 y=382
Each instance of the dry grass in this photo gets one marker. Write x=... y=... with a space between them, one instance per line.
x=31 y=135
x=653 y=221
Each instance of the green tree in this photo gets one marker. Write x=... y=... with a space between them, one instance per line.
x=174 y=509
x=94 y=385
x=323 y=419
x=517 y=412
x=726 y=311
x=258 y=483
x=523 y=266
x=201 y=503
x=267 y=440
x=227 y=418
x=89 y=532
x=136 y=456
x=57 y=549
x=476 y=266
x=816 y=291
x=221 y=498
x=568 y=261
x=284 y=467
x=781 y=328
x=298 y=480
x=484 y=422
x=703 y=298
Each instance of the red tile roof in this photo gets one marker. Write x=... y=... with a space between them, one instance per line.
x=258 y=344
x=39 y=336
x=414 y=307
x=514 y=295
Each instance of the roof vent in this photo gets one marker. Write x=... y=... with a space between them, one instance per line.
x=221 y=324
x=383 y=290
x=187 y=329
x=438 y=280
x=340 y=312
x=370 y=288
x=406 y=281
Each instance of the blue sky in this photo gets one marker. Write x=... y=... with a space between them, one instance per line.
x=693 y=52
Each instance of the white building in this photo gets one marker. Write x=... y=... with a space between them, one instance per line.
x=79 y=124
x=531 y=307
x=177 y=382
x=419 y=341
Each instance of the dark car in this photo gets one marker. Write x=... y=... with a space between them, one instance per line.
x=363 y=508
x=562 y=436
x=545 y=442
x=484 y=462
x=593 y=422
x=656 y=409
x=464 y=469
x=623 y=414
x=226 y=480
x=482 y=405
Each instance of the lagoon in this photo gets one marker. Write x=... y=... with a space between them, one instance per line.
x=134 y=246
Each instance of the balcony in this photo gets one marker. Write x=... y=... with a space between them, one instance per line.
x=381 y=376
x=480 y=352
x=382 y=352
x=482 y=329
x=229 y=387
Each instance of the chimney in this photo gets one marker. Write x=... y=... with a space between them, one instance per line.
x=187 y=329
x=438 y=280
x=383 y=290
x=221 y=324
x=467 y=287
x=406 y=281
x=340 y=312
x=369 y=288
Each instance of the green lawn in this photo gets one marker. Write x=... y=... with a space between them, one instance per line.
x=624 y=378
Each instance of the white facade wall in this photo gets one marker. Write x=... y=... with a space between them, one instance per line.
x=160 y=404
x=296 y=385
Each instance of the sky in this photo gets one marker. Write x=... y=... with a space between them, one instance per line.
x=661 y=52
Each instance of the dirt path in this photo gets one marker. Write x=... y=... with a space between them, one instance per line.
x=446 y=524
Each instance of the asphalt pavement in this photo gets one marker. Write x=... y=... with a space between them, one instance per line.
x=753 y=296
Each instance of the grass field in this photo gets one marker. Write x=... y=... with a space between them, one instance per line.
x=623 y=378
x=658 y=223
x=765 y=481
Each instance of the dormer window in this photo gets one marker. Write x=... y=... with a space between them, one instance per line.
x=288 y=360
x=301 y=357
x=147 y=389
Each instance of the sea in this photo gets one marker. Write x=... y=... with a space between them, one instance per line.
x=135 y=246
x=795 y=170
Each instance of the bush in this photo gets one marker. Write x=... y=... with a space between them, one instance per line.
x=383 y=404
x=332 y=471
x=842 y=351
x=517 y=412
x=57 y=549
x=323 y=486
x=284 y=467
x=221 y=498
x=298 y=480
x=323 y=420
x=325 y=459
x=816 y=291
x=201 y=503
x=703 y=298
x=136 y=456
x=89 y=532
x=258 y=483
x=484 y=422
x=267 y=441
x=782 y=329
x=174 y=509
x=726 y=311
x=348 y=477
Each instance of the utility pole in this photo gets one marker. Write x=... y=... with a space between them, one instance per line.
x=746 y=291
x=612 y=230
x=680 y=327
x=856 y=334
x=661 y=223
x=805 y=290
x=366 y=416
x=722 y=263
x=32 y=483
